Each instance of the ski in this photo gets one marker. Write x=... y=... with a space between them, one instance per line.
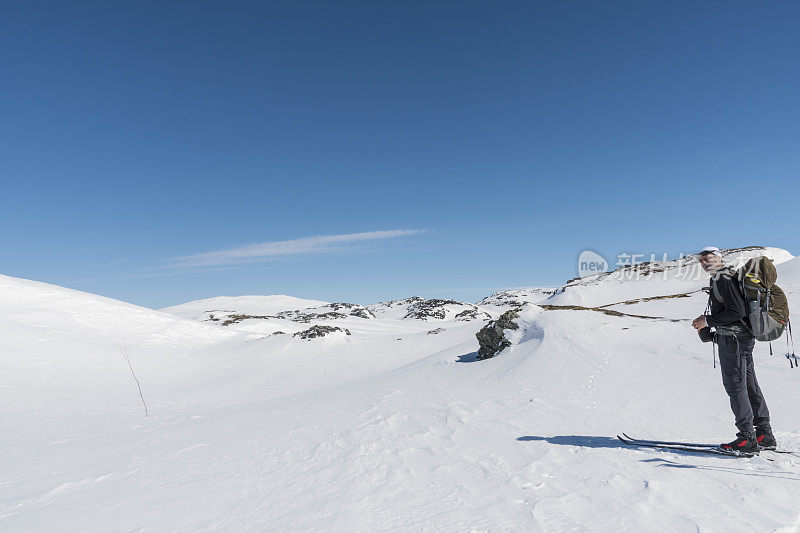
x=713 y=450
x=688 y=444
x=671 y=443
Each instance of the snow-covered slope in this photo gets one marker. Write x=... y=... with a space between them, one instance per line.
x=248 y=305
x=50 y=314
x=651 y=279
x=61 y=349
x=789 y=276
x=394 y=427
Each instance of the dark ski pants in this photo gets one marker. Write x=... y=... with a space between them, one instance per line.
x=739 y=378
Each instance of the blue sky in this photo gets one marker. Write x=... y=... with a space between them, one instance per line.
x=362 y=151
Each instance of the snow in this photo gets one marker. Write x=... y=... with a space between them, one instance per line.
x=509 y=299
x=249 y=305
x=789 y=275
x=390 y=428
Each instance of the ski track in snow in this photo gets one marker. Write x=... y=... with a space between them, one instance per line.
x=248 y=433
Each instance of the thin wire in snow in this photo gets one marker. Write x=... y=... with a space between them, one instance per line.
x=127 y=357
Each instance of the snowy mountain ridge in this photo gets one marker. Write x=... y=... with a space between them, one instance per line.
x=653 y=278
x=626 y=285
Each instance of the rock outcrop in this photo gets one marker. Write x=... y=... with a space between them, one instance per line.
x=430 y=309
x=332 y=311
x=518 y=297
x=416 y=308
x=319 y=331
x=299 y=316
x=492 y=337
x=472 y=314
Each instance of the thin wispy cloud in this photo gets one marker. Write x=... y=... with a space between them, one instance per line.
x=271 y=250
x=112 y=262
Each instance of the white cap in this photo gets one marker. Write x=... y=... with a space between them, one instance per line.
x=710 y=250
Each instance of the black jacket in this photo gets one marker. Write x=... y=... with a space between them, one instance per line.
x=732 y=310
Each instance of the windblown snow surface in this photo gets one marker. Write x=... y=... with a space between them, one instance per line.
x=395 y=427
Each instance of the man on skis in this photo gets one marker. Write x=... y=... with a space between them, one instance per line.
x=728 y=316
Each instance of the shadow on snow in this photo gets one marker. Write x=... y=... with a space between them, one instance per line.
x=588 y=441
x=468 y=357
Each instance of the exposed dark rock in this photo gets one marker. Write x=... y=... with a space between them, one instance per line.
x=471 y=314
x=411 y=300
x=354 y=309
x=436 y=331
x=651 y=298
x=393 y=303
x=318 y=331
x=430 y=309
x=518 y=297
x=342 y=305
x=492 y=338
x=300 y=316
x=233 y=319
x=602 y=309
x=332 y=311
x=362 y=313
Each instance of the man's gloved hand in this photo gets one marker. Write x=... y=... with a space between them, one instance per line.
x=700 y=323
x=705 y=334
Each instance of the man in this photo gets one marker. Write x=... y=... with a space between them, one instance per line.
x=728 y=315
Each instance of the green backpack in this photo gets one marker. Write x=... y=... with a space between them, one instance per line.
x=767 y=307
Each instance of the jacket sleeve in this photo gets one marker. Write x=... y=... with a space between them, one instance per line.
x=733 y=307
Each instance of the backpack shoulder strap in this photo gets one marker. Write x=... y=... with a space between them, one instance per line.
x=729 y=274
x=715 y=288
